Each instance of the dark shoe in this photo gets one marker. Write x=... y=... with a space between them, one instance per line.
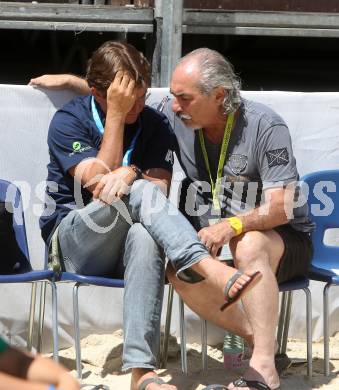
x=282 y=362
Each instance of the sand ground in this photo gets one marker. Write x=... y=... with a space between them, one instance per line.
x=101 y=358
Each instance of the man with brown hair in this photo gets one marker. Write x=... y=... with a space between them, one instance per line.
x=103 y=141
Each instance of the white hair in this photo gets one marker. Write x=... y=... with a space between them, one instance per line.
x=216 y=71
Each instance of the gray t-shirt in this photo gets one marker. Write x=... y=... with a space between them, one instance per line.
x=259 y=156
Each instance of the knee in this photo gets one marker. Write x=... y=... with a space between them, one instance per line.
x=137 y=192
x=138 y=235
x=141 y=188
x=250 y=250
x=145 y=197
x=139 y=185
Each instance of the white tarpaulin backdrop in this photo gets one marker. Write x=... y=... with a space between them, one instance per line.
x=313 y=119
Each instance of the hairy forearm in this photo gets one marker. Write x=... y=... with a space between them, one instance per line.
x=276 y=211
x=259 y=219
x=60 y=82
x=111 y=150
x=77 y=84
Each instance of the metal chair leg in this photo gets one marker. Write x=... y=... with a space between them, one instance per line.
x=55 y=324
x=309 y=330
x=31 y=317
x=204 y=344
x=41 y=316
x=76 y=329
x=287 y=322
x=183 y=337
x=282 y=316
x=326 y=331
x=164 y=349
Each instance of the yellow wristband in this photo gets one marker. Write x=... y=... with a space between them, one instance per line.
x=236 y=225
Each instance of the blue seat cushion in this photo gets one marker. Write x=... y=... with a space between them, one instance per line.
x=297 y=283
x=324 y=275
x=94 y=280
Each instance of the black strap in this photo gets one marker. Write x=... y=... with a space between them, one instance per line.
x=97 y=387
x=247 y=383
x=153 y=379
x=229 y=285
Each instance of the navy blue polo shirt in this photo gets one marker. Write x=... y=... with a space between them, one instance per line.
x=73 y=136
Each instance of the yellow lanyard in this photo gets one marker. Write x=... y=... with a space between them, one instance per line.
x=227 y=134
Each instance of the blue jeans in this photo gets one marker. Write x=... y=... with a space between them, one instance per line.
x=140 y=230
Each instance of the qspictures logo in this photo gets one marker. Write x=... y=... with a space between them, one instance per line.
x=78 y=148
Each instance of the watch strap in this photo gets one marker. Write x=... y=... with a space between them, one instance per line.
x=137 y=171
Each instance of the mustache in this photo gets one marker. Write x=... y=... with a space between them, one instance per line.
x=183 y=116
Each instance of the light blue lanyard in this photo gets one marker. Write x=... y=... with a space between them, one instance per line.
x=127 y=157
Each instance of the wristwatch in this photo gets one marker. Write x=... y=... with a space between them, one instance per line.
x=137 y=171
x=236 y=225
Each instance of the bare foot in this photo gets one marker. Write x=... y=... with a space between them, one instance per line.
x=236 y=285
x=250 y=345
x=226 y=278
x=264 y=372
x=140 y=374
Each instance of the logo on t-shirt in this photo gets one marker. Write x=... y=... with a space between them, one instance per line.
x=76 y=146
x=238 y=163
x=277 y=157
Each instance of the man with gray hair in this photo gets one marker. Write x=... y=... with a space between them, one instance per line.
x=239 y=191
x=241 y=176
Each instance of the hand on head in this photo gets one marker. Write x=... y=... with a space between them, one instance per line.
x=121 y=94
